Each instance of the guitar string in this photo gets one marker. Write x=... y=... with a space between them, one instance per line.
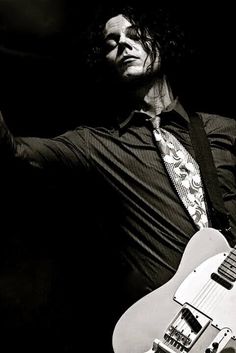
x=220 y=291
x=199 y=299
x=202 y=298
x=182 y=325
x=202 y=305
x=219 y=295
x=206 y=288
x=228 y=257
x=215 y=293
x=229 y=267
x=231 y=262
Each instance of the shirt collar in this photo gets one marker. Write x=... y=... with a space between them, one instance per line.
x=175 y=106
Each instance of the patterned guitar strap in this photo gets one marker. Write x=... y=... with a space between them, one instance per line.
x=184 y=172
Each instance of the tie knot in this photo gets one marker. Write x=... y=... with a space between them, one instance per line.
x=156 y=121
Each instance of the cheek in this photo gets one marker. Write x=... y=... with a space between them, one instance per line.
x=111 y=57
x=148 y=63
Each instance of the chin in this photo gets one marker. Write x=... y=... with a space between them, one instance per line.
x=130 y=76
x=133 y=78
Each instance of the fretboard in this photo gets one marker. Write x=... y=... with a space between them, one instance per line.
x=228 y=266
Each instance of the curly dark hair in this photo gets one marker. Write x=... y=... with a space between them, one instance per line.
x=156 y=28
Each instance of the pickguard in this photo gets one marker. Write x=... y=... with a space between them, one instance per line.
x=208 y=296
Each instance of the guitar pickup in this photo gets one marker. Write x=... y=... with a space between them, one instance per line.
x=186 y=327
x=191 y=320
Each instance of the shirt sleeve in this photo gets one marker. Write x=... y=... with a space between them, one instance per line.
x=69 y=150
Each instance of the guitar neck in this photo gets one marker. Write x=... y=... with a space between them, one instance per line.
x=228 y=267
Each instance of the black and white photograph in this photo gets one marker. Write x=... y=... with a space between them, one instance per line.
x=118 y=177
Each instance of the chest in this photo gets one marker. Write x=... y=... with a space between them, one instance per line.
x=131 y=164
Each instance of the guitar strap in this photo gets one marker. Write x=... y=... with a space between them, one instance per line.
x=218 y=214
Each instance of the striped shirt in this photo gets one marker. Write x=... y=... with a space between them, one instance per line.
x=143 y=218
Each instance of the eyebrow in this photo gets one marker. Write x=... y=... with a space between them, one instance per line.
x=111 y=36
x=114 y=34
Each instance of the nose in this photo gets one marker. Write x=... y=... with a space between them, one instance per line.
x=124 y=42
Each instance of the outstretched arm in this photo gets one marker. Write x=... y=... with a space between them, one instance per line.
x=65 y=151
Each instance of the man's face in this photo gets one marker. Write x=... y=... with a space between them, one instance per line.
x=124 y=50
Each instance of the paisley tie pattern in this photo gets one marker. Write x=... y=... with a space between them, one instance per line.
x=184 y=173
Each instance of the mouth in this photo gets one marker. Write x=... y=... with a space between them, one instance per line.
x=128 y=59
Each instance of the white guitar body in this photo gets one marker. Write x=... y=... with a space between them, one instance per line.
x=193 y=312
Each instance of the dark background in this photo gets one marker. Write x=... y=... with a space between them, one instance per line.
x=42 y=60
x=51 y=269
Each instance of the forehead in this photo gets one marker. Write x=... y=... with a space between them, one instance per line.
x=116 y=24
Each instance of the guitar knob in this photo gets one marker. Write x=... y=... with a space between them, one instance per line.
x=215 y=345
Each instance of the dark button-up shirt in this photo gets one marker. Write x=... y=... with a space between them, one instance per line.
x=144 y=218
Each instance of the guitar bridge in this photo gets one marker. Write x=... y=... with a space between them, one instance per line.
x=186 y=327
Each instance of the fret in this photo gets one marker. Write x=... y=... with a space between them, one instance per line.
x=226 y=274
x=228 y=266
x=233 y=253
x=230 y=262
x=232 y=258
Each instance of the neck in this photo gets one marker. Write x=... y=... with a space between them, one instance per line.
x=151 y=97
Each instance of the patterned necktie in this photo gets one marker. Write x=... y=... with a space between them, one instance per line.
x=184 y=173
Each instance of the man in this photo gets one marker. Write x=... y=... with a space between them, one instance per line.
x=144 y=220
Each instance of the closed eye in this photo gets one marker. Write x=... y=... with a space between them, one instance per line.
x=132 y=33
x=110 y=44
x=111 y=41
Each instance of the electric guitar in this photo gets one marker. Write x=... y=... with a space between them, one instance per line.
x=195 y=311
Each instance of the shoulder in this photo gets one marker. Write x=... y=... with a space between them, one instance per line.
x=215 y=122
x=220 y=127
